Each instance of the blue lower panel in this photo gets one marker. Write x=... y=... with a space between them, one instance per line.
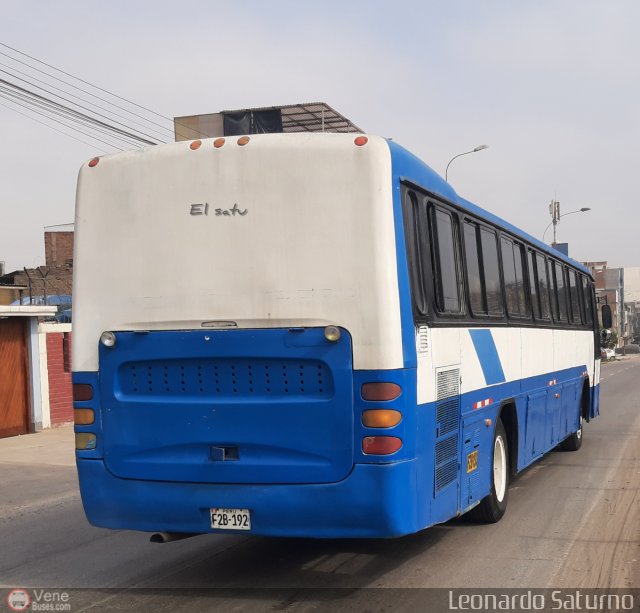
x=373 y=501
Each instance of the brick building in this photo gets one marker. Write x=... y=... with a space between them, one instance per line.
x=55 y=277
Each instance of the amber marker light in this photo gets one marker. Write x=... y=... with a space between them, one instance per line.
x=83 y=417
x=93 y=162
x=381 y=445
x=360 y=140
x=85 y=440
x=195 y=144
x=243 y=140
x=218 y=143
x=380 y=391
x=381 y=418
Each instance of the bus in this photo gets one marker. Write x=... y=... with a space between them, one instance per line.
x=313 y=335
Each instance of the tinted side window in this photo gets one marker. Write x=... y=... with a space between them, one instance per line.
x=560 y=291
x=513 y=282
x=586 y=292
x=411 y=232
x=533 y=287
x=491 y=271
x=445 y=265
x=543 y=286
x=473 y=268
x=574 y=293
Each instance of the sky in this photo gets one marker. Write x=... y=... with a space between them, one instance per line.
x=553 y=89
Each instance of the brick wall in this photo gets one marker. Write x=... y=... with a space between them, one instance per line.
x=58 y=248
x=59 y=366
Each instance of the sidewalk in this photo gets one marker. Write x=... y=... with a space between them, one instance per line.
x=37 y=470
x=52 y=447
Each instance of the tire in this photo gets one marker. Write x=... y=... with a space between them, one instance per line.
x=493 y=507
x=574 y=442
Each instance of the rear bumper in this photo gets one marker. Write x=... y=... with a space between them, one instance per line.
x=373 y=501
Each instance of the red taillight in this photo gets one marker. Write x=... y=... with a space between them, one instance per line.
x=381 y=445
x=82 y=392
x=380 y=391
x=93 y=162
x=360 y=140
x=218 y=143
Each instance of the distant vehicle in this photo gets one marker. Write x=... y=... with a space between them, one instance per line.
x=313 y=335
x=607 y=354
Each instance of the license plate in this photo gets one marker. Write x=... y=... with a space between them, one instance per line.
x=231 y=519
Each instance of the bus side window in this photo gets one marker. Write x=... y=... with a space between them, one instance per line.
x=574 y=294
x=543 y=286
x=491 y=272
x=513 y=281
x=411 y=231
x=561 y=292
x=472 y=262
x=533 y=284
x=586 y=294
x=445 y=266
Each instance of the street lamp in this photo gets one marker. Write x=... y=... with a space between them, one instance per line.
x=554 y=211
x=479 y=148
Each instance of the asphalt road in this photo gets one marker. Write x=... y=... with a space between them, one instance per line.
x=573 y=521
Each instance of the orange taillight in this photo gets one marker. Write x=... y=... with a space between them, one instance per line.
x=381 y=445
x=195 y=144
x=381 y=418
x=360 y=140
x=380 y=391
x=243 y=140
x=83 y=417
x=218 y=143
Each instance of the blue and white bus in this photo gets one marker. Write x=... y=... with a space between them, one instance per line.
x=313 y=335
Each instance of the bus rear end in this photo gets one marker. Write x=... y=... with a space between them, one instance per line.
x=238 y=361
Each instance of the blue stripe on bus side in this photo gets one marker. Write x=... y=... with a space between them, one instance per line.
x=487 y=356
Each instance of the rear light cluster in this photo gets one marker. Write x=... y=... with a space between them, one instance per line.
x=381 y=418
x=85 y=441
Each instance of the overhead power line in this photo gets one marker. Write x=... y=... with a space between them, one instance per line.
x=96 y=87
x=57 y=100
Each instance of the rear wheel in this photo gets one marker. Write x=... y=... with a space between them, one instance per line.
x=492 y=508
x=574 y=442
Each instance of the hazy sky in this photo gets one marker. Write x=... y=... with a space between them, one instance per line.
x=553 y=87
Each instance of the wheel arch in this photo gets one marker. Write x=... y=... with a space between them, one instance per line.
x=585 y=401
x=509 y=417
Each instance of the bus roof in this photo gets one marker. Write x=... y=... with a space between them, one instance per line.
x=409 y=167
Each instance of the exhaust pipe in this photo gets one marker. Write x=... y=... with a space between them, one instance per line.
x=169 y=537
